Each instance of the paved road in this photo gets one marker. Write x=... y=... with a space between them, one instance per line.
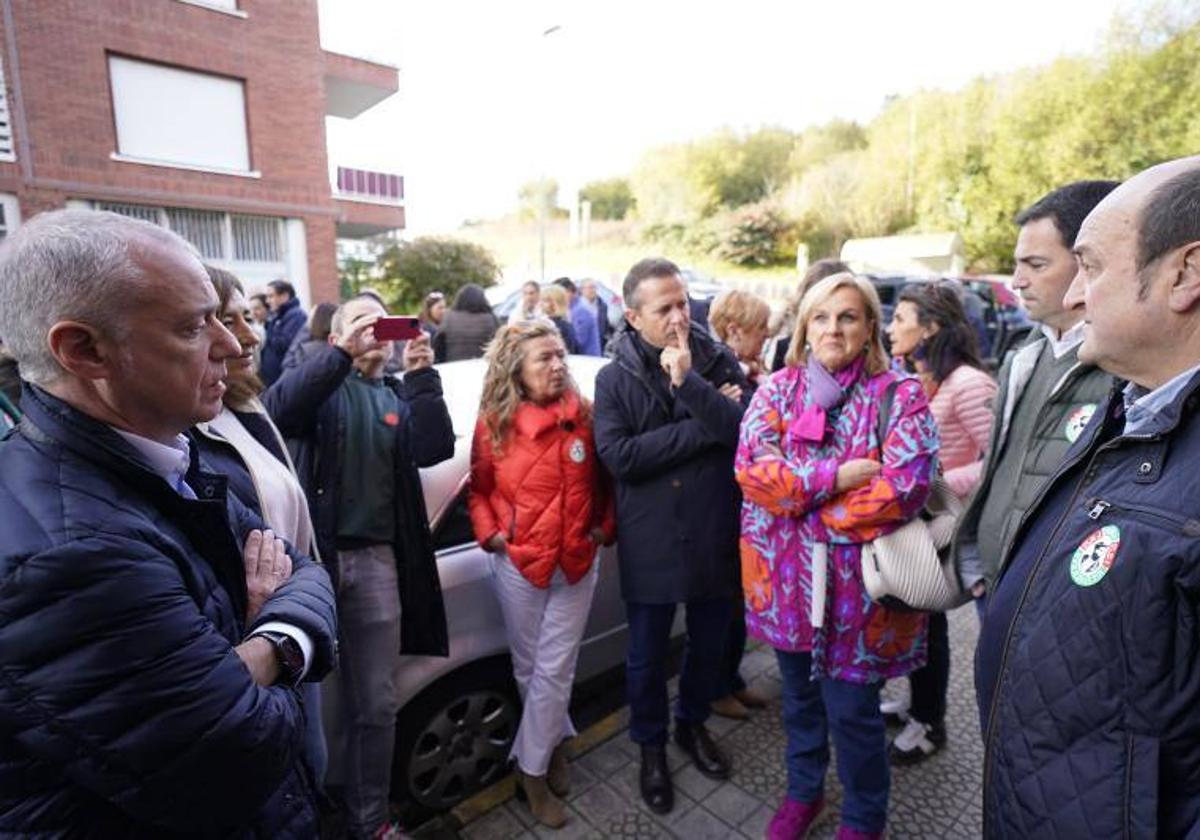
x=937 y=799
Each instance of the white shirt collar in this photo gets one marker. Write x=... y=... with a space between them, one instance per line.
x=169 y=461
x=1060 y=345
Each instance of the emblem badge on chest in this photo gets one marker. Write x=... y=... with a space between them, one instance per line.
x=1095 y=556
x=1078 y=421
x=577 y=453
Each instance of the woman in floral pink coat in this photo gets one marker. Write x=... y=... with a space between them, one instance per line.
x=817 y=485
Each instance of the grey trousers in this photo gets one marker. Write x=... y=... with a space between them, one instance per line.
x=369 y=618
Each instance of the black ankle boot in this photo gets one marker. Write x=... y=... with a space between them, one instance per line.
x=709 y=759
x=656 y=780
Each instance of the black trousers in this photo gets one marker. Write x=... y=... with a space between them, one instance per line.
x=929 y=684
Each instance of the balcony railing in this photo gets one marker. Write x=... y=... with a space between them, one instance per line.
x=365 y=185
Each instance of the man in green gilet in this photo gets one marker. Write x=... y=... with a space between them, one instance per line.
x=1046 y=394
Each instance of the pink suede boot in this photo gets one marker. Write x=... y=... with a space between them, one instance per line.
x=793 y=819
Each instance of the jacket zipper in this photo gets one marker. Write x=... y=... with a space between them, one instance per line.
x=988 y=746
x=1185 y=526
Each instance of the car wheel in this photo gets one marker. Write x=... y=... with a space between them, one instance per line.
x=454 y=738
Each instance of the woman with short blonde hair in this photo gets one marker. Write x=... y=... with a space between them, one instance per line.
x=556 y=307
x=822 y=473
x=539 y=502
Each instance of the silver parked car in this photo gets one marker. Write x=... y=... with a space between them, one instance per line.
x=458 y=715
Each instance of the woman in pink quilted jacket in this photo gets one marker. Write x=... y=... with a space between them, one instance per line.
x=931 y=333
x=817 y=484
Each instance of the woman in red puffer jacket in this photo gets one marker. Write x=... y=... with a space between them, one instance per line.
x=540 y=503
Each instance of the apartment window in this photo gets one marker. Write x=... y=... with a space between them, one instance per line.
x=7 y=149
x=256 y=239
x=167 y=115
x=203 y=228
x=10 y=214
x=223 y=237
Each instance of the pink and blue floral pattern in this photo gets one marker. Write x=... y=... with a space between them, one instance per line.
x=790 y=506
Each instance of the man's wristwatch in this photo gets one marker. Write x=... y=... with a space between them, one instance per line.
x=290 y=656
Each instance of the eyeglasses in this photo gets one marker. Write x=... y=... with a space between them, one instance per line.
x=434 y=297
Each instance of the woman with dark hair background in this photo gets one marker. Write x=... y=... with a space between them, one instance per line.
x=930 y=331
x=467 y=327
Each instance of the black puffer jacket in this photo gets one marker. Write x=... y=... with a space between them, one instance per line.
x=124 y=711
x=1088 y=666
x=671 y=452
x=305 y=406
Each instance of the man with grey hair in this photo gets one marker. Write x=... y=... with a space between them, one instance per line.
x=153 y=630
x=1088 y=664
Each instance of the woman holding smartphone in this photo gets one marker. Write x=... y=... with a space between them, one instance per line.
x=539 y=502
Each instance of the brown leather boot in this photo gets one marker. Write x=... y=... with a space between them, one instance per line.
x=559 y=776
x=544 y=805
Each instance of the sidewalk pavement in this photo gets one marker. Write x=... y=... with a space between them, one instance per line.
x=938 y=798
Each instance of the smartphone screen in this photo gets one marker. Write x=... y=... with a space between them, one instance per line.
x=397 y=328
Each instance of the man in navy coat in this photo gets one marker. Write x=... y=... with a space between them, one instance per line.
x=1088 y=665
x=667 y=413
x=152 y=632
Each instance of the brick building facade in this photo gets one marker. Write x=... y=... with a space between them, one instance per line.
x=207 y=116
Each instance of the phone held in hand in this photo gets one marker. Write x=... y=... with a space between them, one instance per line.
x=397 y=328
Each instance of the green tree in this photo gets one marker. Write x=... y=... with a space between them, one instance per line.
x=411 y=270
x=611 y=198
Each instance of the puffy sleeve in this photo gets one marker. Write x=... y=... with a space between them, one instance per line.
x=483 y=483
x=973 y=412
x=782 y=486
x=902 y=487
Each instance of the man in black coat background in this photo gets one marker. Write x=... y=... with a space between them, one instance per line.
x=152 y=632
x=666 y=422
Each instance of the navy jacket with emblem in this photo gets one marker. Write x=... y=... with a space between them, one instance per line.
x=1088 y=665
x=671 y=451
x=124 y=710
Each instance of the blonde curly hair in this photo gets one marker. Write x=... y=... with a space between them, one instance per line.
x=503 y=392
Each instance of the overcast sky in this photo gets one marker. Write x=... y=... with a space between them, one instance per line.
x=488 y=102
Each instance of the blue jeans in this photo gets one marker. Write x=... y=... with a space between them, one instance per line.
x=812 y=710
x=646 y=665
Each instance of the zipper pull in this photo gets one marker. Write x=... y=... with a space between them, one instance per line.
x=1096 y=508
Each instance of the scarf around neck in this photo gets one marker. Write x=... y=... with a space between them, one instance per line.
x=825 y=391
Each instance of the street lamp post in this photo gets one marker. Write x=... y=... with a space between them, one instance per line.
x=543 y=204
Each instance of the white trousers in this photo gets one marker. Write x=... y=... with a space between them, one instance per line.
x=544 y=628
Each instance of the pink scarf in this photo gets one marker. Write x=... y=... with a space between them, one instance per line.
x=825 y=391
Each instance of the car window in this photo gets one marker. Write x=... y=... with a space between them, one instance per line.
x=454 y=529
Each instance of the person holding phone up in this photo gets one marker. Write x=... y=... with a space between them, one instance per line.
x=361 y=436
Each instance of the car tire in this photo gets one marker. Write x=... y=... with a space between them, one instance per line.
x=453 y=739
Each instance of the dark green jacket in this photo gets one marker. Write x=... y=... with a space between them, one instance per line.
x=1071 y=400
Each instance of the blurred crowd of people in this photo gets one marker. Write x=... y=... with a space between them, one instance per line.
x=212 y=499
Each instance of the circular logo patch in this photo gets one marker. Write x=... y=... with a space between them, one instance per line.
x=577 y=453
x=1095 y=556
x=1078 y=421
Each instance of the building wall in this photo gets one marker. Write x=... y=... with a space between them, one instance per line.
x=56 y=69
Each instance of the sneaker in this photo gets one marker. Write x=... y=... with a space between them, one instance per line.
x=793 y=819
x=916 y=742
x=895 y=712
x=391 y=830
